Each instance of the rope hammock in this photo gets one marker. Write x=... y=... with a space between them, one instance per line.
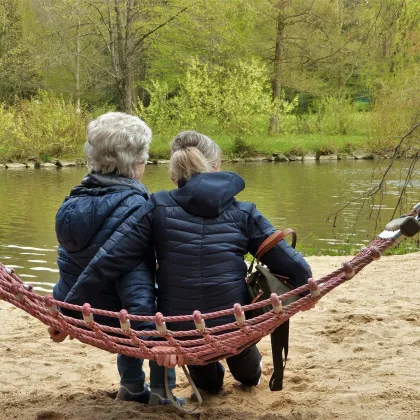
x=199 y=345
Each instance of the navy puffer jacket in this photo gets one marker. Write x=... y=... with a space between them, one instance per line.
x=88 y=217
x=201 y=234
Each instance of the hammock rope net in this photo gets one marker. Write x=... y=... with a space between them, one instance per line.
x=199 y=345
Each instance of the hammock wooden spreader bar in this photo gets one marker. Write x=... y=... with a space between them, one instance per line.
x=198 y=345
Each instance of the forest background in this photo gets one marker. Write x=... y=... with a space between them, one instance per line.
x=258 y=76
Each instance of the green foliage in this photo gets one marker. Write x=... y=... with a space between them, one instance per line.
x=19 y=74
x=234 y=97
x=362 y=106
x=335 y=115
x=297 y=151
x=231 y=96
x=161 y=111
x=406 y=247
x=395 y=111
x=208 y=65
x=45 y=125
x=326 y=149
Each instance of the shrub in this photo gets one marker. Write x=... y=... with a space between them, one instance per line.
x=235 y=98
x=395 y=111
x=335 y=115
x=45 y=125
x=296 y=151
x=326 y=149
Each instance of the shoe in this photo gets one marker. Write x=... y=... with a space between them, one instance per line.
x=141 y=397
x=157 y=399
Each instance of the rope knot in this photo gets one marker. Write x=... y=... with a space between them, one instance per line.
x=239 y=314
x=276 y=303
x=49 y=303
x=17 y=291
x=87 y=313
x=375 y=253
x=160 y=323
x=348 y=270
x=313 y=287
x=200 y=325
x=124 y=321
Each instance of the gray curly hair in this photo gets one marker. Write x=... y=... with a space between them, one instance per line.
x=117 y=143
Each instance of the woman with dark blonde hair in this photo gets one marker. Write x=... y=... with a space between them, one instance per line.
x=201 y=234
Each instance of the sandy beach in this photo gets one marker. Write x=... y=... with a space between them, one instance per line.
x=355 y=356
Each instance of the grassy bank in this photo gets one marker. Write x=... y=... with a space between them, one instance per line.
x=299 y=135
x=406 y=247
x=264 y=144
x=261 y=145
x=47 y=126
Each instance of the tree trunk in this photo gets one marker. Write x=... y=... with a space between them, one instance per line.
x=125 y=52
x=276 y=83
x=341 y=78
x=77 y=58
x=126 y=91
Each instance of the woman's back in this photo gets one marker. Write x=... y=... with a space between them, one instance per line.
x=200 y=237
x=85 y=221
x=201 y=234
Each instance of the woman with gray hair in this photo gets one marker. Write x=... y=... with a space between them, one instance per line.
x=116 y=150
x=201 y=234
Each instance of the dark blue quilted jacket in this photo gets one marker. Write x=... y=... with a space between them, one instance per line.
x=88 y=217
x=201 y=234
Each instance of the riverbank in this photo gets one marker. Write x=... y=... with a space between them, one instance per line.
x=275 y=157
x=355 y=356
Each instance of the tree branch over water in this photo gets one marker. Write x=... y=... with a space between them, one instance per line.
x=379 y=188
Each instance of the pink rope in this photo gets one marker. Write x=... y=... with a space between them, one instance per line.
x=200 y=345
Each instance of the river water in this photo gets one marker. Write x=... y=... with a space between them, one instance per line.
x=297 y=195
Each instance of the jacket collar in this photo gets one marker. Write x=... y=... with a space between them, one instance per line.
x=97 y=179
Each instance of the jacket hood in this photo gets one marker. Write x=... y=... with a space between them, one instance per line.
x=96 y=179
x=89 y=205
x=209 y=194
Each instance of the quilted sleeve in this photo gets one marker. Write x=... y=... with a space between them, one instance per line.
x=121 y=254
x=282 y=259
x=137 y=291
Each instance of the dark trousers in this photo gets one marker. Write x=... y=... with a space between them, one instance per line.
x=132 y=374
x=244 y=367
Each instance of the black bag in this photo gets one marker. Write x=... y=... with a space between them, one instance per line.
x=261 y=284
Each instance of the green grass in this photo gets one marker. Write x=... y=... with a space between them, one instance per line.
x=306 y=134
x=406 y=247
x=268 y=144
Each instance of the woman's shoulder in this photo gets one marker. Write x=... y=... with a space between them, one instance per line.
x=162 y=198
x=245 y=206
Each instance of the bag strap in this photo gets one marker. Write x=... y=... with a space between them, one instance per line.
x=174 y=400
x=279 y=343
x=271 y=242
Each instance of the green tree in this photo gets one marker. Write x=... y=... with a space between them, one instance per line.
x=124 y=31
x=19 y=74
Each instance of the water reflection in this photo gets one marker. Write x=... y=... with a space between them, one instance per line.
x=303 y=196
